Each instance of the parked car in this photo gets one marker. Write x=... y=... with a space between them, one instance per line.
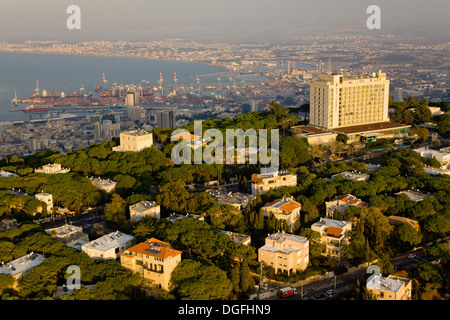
x=319 y=296
x=331 y=292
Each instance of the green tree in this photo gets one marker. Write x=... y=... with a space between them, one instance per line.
x=197 y=281
x=115 y=210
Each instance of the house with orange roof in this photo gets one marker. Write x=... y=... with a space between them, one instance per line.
x=195 y=140
x=286 y=209
x=154 y=260
x=334 y=234
x=340 y=203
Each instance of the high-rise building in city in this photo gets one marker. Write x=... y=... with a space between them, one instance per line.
x=166 y=119
x=132 y=98
x=338 y=101
x=97 y=131
x=398 y=95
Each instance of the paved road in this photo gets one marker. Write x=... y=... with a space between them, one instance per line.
x=347 y=281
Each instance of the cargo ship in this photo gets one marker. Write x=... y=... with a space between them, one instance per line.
x=32 y=108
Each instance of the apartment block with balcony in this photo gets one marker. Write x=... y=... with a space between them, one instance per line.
x=285 y=252
x=154 y=260
x=262 y=183
x=285 y=209
x=334 y=234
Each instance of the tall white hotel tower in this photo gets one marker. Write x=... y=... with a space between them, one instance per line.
x=336 y=101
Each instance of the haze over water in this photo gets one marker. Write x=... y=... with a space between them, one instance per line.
x=56 y=73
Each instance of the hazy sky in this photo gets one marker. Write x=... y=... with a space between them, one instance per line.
x=238 y=20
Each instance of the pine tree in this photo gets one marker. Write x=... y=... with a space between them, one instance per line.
x=247 y=281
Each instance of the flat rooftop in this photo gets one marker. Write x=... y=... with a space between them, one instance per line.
x=64 y=230
x=108 y=241
x=137 y=133
x=282 y=237
x=369 y=127
x=332 y=223
x=223 y=197
x=414 y=196
x=6 y=174
x=22 y=264
x=144 y=206
x=309 y=129
x=392 y=284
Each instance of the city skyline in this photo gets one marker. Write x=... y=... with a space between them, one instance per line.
x=236 y=21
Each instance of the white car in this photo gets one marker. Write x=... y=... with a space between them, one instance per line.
x=411 y=256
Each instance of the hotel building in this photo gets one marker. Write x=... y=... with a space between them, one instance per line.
x=357 y=106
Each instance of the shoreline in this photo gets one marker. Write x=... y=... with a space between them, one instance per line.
x=119 y=56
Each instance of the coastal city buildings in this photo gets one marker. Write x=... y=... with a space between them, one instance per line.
x=285 y=252
x=154 y=260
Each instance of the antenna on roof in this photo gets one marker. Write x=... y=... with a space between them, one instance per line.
x=329 y=65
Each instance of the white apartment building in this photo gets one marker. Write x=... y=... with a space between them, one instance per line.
x=334 y=234
x=52 y=169
x=441 y=156
x=47 y=198
x=136 y=141
x=22 y=266
x=285 y=252
x=110 y=246
x=144 y=208
x=338 y=101
x=390 y=288
x=68 y=233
